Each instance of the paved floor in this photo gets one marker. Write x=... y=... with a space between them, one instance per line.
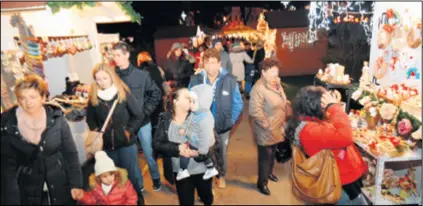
x=241 y=176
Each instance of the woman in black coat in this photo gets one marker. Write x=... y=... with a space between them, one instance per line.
x=178 y=69
x=39 y=159
x=120 y=135
x=146 y=62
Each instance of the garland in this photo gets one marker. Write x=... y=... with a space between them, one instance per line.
x=126 y=6
x=55 y=6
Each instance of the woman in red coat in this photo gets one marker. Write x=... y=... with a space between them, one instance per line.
x=319 y=122
x=109 y=185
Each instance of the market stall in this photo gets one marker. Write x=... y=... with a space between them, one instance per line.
x=288 y=39
x=55 y=45
x=106 y=42
x=388 y=128
x=61 y=44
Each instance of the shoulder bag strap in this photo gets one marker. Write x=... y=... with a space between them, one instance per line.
x=109 y=116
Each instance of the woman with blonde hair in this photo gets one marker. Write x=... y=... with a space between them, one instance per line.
x=39 y=159
x=121 y=133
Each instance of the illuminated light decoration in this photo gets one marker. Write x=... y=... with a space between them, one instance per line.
x=293 y=40
x=321 y=14
x=183 y=16
x=285 y=3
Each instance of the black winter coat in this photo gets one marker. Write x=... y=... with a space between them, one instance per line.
x=127 y=116
x=143 y=88
x=179 y=70
x=25 y=166
x=157 y=78
x=162 y=146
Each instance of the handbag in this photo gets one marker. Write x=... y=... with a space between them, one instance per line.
x=283 y=151
x=315 y=179
x=94 y=141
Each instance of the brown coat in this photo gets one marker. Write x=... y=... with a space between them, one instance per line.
x=269 y=109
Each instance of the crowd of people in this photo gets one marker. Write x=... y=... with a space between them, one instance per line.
x=182 y=112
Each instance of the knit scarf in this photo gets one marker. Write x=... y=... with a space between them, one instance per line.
x=107 y=94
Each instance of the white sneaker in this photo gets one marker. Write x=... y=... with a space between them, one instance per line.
x=182 y=174
x=210 y=173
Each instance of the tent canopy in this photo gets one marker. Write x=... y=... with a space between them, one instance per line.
x=237 y=27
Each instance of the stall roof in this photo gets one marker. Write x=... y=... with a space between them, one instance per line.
x=287 y=19
x=180 y=31
x=19 y=5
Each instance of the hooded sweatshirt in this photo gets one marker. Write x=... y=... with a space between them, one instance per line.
x=200 y=128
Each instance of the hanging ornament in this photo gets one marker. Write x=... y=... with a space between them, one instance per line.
x=398 y=39
x=414 y=38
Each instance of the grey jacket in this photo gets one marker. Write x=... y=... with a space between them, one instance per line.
x=238 y=56
x=174 y=137
x=201 y=121
x=225 y=62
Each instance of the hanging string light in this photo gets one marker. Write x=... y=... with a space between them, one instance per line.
x=322 y=14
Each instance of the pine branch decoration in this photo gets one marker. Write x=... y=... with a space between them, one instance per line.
x=126 y=6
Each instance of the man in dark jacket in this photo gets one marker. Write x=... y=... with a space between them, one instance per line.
x=148 y=96
x=226 y=107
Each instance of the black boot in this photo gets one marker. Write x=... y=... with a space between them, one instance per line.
x=273 y=178
x=263 y=189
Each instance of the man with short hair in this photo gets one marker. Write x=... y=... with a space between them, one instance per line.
x=226 y=107
x=148 y=96
x=225 y=61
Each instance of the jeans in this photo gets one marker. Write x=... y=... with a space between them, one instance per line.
x=145 y=138
x=248 y=87
x=345 y=200
x=221 y=153
x=127 y=158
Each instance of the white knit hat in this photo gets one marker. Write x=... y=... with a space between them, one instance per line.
x=103 y=163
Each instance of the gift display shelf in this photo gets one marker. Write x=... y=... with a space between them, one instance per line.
x=407 y=156
x=367 y=191
x=376 y=196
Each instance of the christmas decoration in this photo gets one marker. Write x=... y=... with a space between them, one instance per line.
x=126 y=6
x=293 y=40
x=321 y=14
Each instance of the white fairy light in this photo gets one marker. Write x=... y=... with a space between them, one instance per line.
x=285 y=3
x=320 y=12
x=183 y=15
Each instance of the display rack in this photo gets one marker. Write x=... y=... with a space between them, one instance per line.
x=375 y=196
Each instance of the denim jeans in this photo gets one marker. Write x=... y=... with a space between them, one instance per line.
x=127 y=158
x=248 y=87
x=345 y=200
x=145 y=138
x=221 y=154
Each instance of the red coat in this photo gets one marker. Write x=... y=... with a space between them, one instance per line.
x=122 y=192
x=335 y=134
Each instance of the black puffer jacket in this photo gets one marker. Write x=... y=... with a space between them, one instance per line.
x=25 y=167
x=143 y=88
x=127 y=116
